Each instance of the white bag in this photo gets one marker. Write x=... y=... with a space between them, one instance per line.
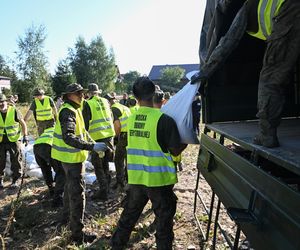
x=179 y=107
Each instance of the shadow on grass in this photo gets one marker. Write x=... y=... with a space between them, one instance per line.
x=33 y=215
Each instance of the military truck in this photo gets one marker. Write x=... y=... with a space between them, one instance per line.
x=259 y=187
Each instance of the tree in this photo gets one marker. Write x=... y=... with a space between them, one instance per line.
x=171 y=76
x=79 y=61
x=5 y=70
x=63 y=76
x=32 y=61
x=129 y=78
x=93 y=63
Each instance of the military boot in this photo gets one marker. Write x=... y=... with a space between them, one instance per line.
x=101 y=195
x=84 y=238
x=15 y=184
x=51 y=190
x=267 y=136
x=57 y=201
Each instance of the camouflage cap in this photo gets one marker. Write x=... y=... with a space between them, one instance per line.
x=109 y=96
x=93 y=87
x=2 y=97
x=72 y=88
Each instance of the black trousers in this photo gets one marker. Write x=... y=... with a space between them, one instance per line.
x=163 y=202
x=120 y=158
x=42 y=153
x=74 y=197
x=101 y=165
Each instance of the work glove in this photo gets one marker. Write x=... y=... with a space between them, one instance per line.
x=25 y=140
x=197 y=77
x=100 y=146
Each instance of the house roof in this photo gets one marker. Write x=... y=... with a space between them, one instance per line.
x=4 y=78
x=155 y=72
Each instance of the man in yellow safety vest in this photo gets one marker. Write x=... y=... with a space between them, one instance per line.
x=43 y=109
x=11 y=124
x=71 y=144
x=98 y=121
x=152 y=138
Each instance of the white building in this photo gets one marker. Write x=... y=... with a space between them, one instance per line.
x=4 y=83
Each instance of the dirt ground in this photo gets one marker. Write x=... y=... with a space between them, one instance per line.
x=34 y=225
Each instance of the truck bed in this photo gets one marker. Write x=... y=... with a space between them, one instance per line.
x=242 y=133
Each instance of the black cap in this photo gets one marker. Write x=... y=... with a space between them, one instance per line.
x=38 y=92
x=72 y=88
x=93 y=87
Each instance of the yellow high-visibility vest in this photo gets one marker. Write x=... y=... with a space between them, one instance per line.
x=101 y=125
x=125 y=111
x=62 y=151
x=147 y=164
x=43 y=111
x=46 y=137
x=266 y=11
x=12 y=128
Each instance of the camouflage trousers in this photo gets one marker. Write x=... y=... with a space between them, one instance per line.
x=14 y=149
x=74 y=197
x=163 y=201
x=282 y=52
x=101 y=170
x=42 y=125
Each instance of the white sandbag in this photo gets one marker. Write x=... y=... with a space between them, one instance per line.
x=30 y=158
x=111 y=166
x=90 y=178
x=88 y=166
x=179 y=107
x=7 y=170
x=30 y=166
x=36 y=172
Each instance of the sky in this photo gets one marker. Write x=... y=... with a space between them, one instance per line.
x=142 y=33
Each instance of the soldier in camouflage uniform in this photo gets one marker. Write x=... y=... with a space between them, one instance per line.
x=120 y=116
x=43 y=109
x=11 y=124
x=42 y=153
x=98 y=122
x=282 y=36
x=71 y=144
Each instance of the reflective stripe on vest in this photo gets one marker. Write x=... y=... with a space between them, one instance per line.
x=46 y=137
x=12 y=128
x=43 y=111
x=125 y=111
x=266 y=11
x=101 y=124
x=147 y=164
x=63 y=152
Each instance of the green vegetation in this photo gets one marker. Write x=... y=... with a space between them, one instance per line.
x=171 y=76
x=85 y=63
x=32 y=63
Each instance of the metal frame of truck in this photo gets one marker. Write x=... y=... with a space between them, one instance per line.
x=258 y=186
